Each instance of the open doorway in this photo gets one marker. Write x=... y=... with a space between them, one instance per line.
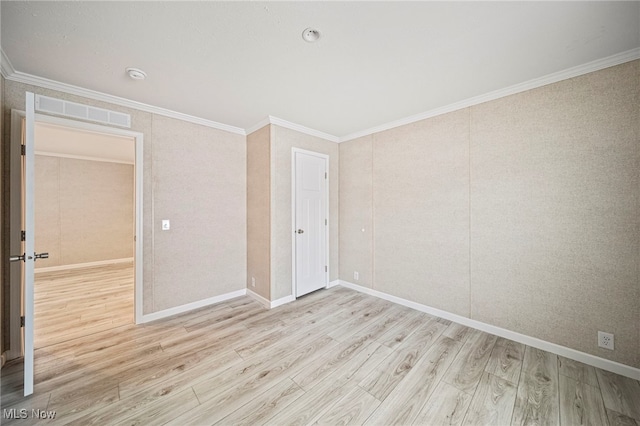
x=84 y=202
x=21 y=273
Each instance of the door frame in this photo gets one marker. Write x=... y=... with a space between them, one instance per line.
x=295 y=151
x=15 y=293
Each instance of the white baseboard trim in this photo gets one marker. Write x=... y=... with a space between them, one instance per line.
x=191 y=306
x=268 y=303
x=333 y=283
x=595 y=361
x=83 y=265
x=13 y=354
x=282 y=301
x=261 y=300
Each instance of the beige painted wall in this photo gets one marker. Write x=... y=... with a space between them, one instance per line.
x=555 y=212
x=421 y=211
x=356 y=210
x=522 y=212
x=259 y=211
x=84 y=210
x=196 y=177
x=282 y=140
x=200 y=185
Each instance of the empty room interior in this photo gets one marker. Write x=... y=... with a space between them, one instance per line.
x=84 y=192
x=330 y=213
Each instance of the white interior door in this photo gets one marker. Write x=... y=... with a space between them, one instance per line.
x=21 y=229
x=310 y=221
x=29 y=248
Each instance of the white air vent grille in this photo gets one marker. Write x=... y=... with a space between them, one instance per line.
x=119 y=119
x=98 y=115
x=84 y=112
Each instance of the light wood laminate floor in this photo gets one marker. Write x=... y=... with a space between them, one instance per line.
x=333 y=357
x=78 y=302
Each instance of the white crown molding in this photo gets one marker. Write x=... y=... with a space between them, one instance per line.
x=302 y=129
x=595 y=361
x=11 y=74
x=20 y=77
x=6 y=68
x=610 y=61
x=292 y=126
x=259 y=125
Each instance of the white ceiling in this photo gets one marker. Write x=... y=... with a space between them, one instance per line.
x=376 y=62
x=51 y=139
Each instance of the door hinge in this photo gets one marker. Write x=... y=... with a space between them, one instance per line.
x=21 y=321
x=325 y=223
x=325 y=175
x=23 y=236
x=23 y=150
x=326 y=268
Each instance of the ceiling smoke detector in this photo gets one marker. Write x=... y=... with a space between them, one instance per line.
x=136 y=74
x=310 y=35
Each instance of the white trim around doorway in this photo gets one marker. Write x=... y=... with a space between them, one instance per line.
x=295 y=151
x=138 y=138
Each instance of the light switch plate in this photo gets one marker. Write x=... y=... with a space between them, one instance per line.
x=166 y=225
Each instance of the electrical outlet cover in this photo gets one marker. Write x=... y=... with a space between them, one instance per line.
x=605 y=340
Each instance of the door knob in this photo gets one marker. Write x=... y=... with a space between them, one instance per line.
x=16 y=258
x=41 y=255
x=300 y=231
